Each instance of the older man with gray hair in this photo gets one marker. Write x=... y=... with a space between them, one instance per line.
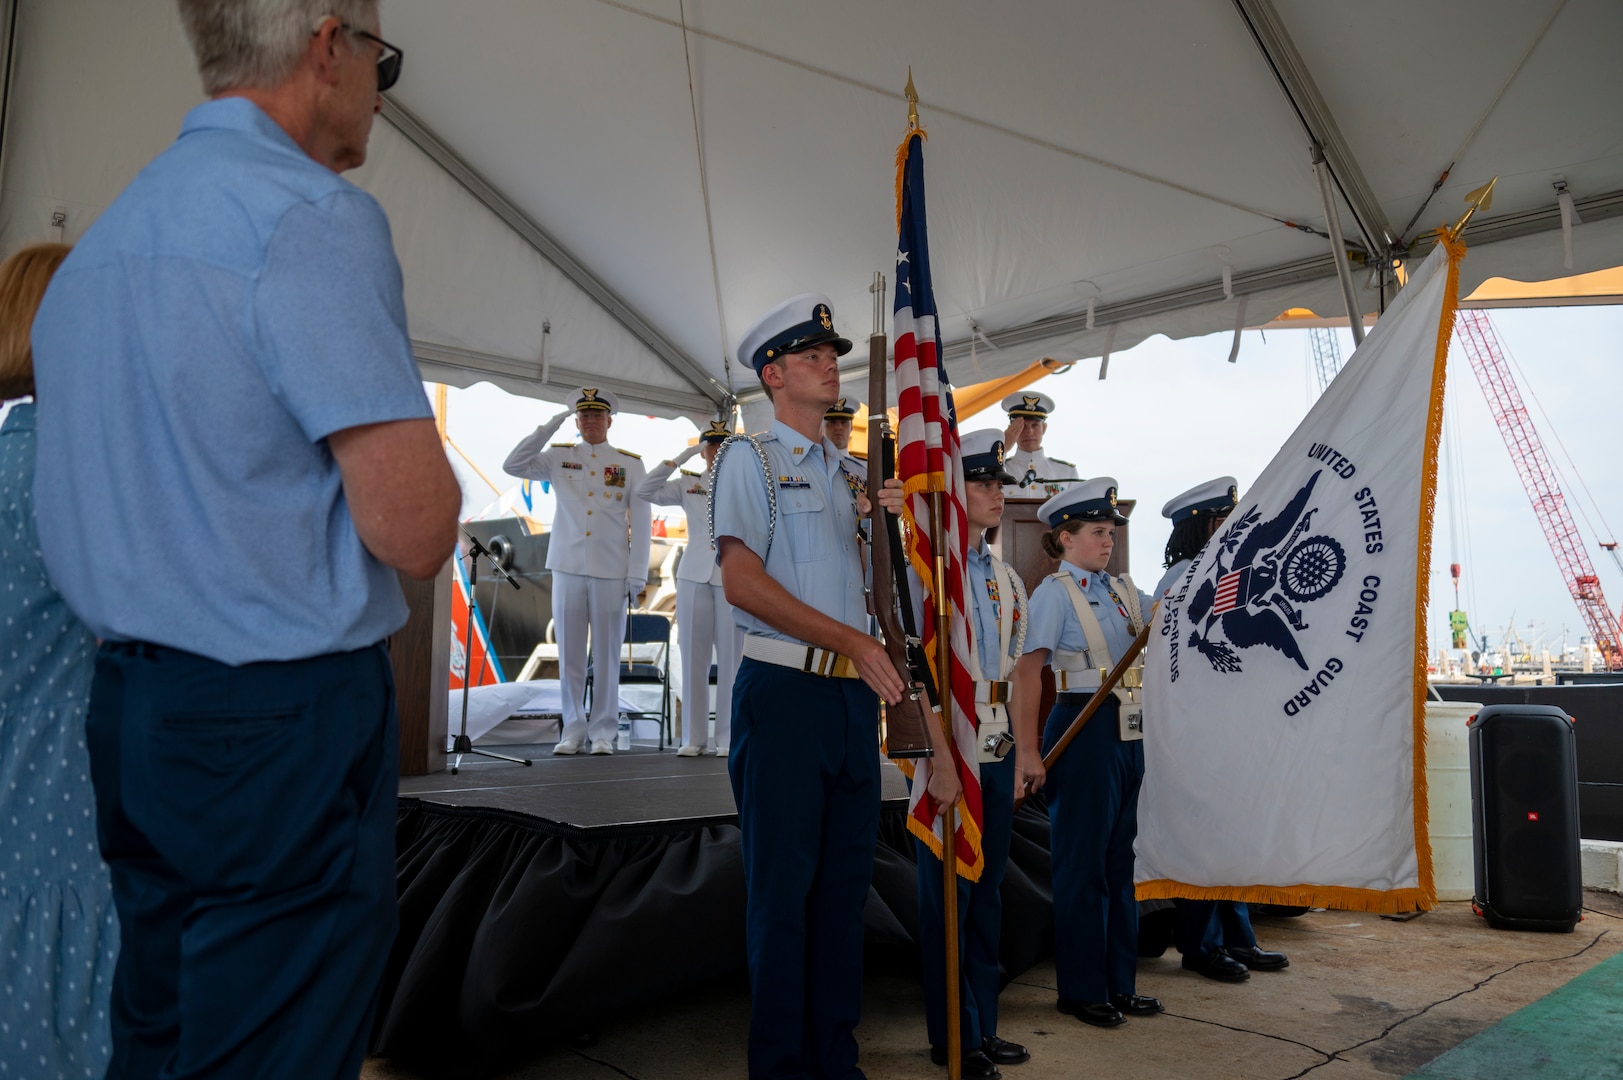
x=227 y=390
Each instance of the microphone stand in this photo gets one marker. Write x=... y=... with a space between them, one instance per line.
x=461 y=744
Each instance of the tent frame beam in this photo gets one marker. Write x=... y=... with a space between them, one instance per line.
x=716 y=395
x=432 y=359
x=1268 y=31
x=1484 y=231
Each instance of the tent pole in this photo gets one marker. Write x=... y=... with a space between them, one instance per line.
x=1338 y=246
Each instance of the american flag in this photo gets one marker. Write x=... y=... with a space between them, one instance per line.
x=1228 y=590
x=927 y=459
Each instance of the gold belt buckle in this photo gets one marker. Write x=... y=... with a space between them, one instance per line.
x=997 y=692
x=1131 y=679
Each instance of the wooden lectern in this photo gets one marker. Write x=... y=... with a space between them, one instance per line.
x=1018 y=542
x=420 y=653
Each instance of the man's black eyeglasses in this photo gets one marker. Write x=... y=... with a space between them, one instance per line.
x=389 y=59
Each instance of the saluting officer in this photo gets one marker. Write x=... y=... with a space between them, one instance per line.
x=998 y=610
x=704 y=619
x=598 y=555
x=1214 y=936
x=1035 y=473
x=805 y=752
x=1082 y=621
x=837 y=421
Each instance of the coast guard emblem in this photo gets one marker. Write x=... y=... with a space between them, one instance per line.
x=1260 y=597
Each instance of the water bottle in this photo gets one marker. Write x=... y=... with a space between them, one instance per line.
x=622 y=739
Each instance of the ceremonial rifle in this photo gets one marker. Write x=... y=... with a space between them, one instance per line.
x=906 y=735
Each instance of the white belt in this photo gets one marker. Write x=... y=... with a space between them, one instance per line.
x=807 y=658
x=1090 y=679
x=991 y=692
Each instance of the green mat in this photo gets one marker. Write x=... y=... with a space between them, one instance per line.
x=1575 y=1032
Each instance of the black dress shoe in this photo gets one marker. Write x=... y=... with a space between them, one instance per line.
x=1218 y=965
x=976 y=1064
x=1259 y=959
x=1137 y=1004
x=1004 y=1052
x=1097 y=1013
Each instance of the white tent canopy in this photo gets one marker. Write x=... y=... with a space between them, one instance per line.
x=645 y=176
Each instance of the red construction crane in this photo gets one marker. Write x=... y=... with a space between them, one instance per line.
x=1475 y=331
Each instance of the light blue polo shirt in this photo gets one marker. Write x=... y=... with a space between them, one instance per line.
x=1054 y=625
x=237 y=304
x=813 y=553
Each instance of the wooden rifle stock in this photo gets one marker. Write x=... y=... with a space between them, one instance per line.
x=906 y=735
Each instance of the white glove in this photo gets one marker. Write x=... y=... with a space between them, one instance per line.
x=688 y=454
x=634 y=587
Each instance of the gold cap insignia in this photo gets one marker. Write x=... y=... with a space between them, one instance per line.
x=824 y=317
x=1032 y=401
x=1111 y=494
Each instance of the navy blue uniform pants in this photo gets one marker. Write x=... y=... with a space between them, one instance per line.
x=980 y=919
x=247 y=815
x=1205 y=925
x=1092 y=795
x=805 y=773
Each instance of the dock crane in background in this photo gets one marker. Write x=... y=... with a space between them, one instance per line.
x=1475 y=332
x=1326 y=354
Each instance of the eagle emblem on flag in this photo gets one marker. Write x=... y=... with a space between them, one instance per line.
x=1260 y=598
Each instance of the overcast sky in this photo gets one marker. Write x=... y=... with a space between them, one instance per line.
x=1174 y=413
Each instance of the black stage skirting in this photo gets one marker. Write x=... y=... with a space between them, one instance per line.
x=620 y=886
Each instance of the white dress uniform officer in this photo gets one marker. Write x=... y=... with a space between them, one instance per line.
x=1036 y=475
x=837 y=421
x=598 y=556
x=1214 y=936
x=805 y=752
x=704 y=618
x=1082 y=621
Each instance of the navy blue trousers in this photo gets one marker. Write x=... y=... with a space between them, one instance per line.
x=1205 y=925
x=1093 y=808
x=805 y=773
x=247 y=815
x=980 y=919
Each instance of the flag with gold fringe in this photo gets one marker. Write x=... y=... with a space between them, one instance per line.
x=927 y=459
x=1285 y=679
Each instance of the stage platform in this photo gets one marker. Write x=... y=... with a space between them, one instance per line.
x=537 y=902
x=641 y=786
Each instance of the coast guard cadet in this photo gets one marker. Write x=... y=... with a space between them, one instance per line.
x=704 y=618
x=805 y=752
x=998 y=609
x=598 y=556
x=1214 y=936
x=1035 y=473
x=1082 y=620
x=837 y=421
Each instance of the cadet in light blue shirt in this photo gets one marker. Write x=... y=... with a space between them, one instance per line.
x=998 y=614
x=805 y=750
x=236 y=459
x=1092 y=790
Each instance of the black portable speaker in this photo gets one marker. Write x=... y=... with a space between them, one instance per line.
x=1524 y=811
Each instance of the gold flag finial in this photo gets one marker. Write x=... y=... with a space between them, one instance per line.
x=912 y=100
x=1480 y=199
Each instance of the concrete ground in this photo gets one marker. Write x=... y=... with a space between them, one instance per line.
x=1364 y=997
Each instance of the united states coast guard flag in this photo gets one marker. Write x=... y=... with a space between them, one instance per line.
x=1285 y=680
x=927 y=459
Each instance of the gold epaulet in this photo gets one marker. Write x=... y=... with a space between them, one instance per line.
x=690 y=472
x=1067 y=464
x=628 y=453
x=563 y=446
